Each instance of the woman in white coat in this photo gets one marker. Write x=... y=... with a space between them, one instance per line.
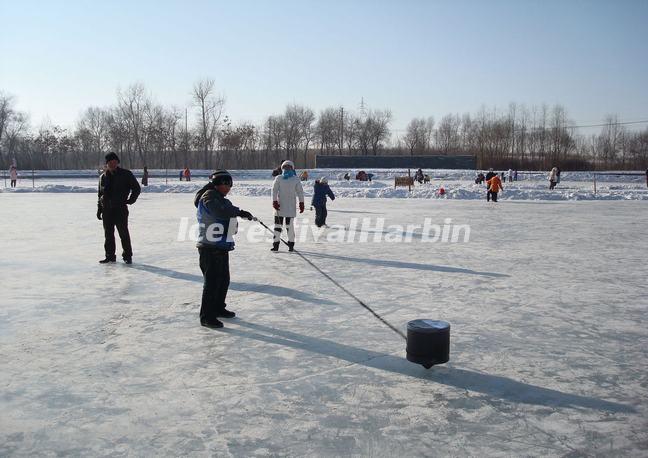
x=286 y=189
x=553 y=178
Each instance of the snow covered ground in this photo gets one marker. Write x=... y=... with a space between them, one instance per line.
x=549 y=344
x=458 y=184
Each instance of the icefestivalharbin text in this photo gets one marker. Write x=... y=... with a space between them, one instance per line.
x=365 y=230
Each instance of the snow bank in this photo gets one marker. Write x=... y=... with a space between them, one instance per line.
x=458 y=184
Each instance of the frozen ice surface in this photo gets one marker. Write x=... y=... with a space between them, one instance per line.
x=549 y=340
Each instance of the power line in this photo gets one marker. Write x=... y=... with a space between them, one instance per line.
x=609 y=124
x=645 y=121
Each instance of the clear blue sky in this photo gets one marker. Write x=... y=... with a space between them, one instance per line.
x=417 y=58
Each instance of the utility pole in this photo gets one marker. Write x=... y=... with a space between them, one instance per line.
x=341 y=129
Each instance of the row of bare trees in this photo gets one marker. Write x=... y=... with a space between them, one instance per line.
x=145 y=133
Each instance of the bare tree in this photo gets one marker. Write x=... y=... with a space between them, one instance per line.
x=135 y=105
x=210 y=110
x=447 y=135
x=6 y=112
x=95 y=122
x=418 y=134
x=328 y=130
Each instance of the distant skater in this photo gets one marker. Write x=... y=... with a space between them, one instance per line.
x=494 y=186
x=13 y=175
x=145 y=177
x=553 y=178
x=321 y=189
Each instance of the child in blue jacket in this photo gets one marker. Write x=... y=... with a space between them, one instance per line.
x=217 y=225
x=321 y=190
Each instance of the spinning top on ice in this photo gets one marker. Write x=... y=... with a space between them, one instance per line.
x=428 y=342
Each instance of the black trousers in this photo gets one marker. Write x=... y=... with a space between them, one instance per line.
x=117 y=217
x=320 y=215
x=216 y=279
x=491 y=195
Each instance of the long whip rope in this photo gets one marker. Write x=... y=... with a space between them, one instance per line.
x=382 y=320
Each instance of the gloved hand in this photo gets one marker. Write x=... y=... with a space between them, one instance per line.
x=130 y=201
x=99 y=212
x=301 y=207
x=275 y=204
x=246 y=215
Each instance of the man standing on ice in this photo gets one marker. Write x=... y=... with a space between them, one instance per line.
x=217 y=225
x=117 y=189
x=285 y=190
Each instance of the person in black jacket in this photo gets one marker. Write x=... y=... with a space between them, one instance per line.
x=217 y=226
x=117 y=189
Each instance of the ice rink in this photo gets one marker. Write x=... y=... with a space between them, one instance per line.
x=549 y=342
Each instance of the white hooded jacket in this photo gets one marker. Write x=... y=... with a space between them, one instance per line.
x=553 y=174
x=286 y=191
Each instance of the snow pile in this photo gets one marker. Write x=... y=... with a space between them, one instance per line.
x=458 y=184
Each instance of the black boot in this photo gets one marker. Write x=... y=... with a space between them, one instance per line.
x=214 y=324
x=108 y=259
x=224 y=313
x=291 y=246
x=275 y=246
x=128 y=260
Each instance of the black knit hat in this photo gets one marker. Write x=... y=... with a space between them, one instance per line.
x=221 y=177
x=111 y=156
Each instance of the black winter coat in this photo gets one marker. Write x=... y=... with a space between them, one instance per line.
x=118 y=188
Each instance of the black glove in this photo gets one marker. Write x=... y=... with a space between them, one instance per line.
x=99 y=212
x=131 y=201
x=246 y=215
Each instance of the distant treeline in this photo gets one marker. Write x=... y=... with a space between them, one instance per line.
x=145 y=133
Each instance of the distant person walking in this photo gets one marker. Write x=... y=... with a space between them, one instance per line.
x=510 y=175
x=145 y=177
x=494 y=186
x=117 y=189
x=187 y=174
x=321 y=189
x=286 y=189
x=515 y=175
x=553 y=178
x=13 y=175
x=557 y=175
